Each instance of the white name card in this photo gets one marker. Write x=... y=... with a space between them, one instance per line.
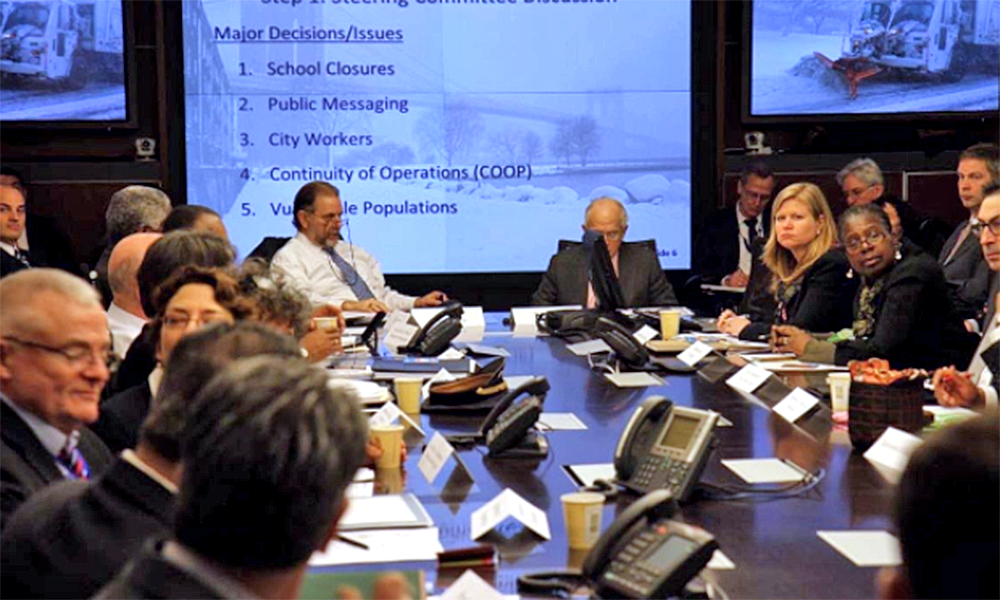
x=509 y=504
x=389 y=413
x=645 y=334
x=435 y=455
x=794 y=405
x=694 y=353
x=748 y=378
x=891 y=451
x=471 y=587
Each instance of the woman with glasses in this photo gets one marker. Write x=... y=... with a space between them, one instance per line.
x=903 y=311
x=190 y=299
x=809 y=284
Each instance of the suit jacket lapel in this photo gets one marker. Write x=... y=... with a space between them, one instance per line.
x=21 y=438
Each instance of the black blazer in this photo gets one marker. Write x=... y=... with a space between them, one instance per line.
x=915 y=322
x=967 y=272
x=149 y=575
x=717 y=247
x=139 y=362
x=10 y=265
x=122 y=416
x=70 y=539
x=26 y=466
x=823 y=303
x=642 y=280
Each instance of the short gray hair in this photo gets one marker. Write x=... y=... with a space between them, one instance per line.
x=865 y=169
x=621 y=209
x=20 y=290
x=134 y=207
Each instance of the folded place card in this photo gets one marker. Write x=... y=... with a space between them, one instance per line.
x=891 y=451
x=795 y=404
x=748 y=378
x=633 y=380
x=865 y=548
x=509 y=504
x=470 y=586
x=694 y=353
x=645 y=333
x=720 y=562
x=764 y=470
x=442 y=375
x=560 y=421
x=389 y=413
x=589 y=347
x=435 y=455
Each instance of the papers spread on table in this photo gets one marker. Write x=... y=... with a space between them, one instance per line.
x=764 y=470
x=561 y=421
x=384 y=546
x=865 y=548
x=385 y=512
x=586 y=475
x=633 y=380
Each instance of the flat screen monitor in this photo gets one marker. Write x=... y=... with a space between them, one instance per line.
x=900 y=59
x=464 y=135
x=65 y=62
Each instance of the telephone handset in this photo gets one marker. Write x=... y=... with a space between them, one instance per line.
x=665 y=446
x=644 y=554
x=508 y=423
x=434 y=337
x=621 y=340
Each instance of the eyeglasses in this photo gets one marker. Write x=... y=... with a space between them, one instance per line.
x=993 y=226
x=327 y=219
x=182 y=321
x=77 y=355
x=871 y=238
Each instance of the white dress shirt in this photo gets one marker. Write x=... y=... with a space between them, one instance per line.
x=746 y=257
x=8 y=248
x=307 y=268
x=124 y=328
x=981 y=375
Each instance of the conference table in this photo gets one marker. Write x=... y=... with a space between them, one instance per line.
x=773 y=543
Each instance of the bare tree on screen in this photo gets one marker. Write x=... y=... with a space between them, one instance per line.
x=506 y=142
x=531 y=146
x=450 y=133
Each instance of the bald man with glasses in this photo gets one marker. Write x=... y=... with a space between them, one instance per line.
x=54 y=355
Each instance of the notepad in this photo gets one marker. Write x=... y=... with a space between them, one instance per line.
x=865 y=548
x=384 y=512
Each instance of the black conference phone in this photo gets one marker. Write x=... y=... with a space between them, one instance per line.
x=665 y=447
x=507 y=431
x=643 y=554
x=628 y=349
x=434 y=337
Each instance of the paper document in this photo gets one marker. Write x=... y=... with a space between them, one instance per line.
x=588 y=474
x=589 y=347
x=380 y=512
x=764 y=470
x=865 y=548
x=384 y=546
x=560 y=421
x=633 y=380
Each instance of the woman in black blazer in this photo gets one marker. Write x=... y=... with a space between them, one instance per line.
x=903 y=311
x=810 y=285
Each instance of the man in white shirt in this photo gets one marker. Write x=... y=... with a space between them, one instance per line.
x=125 y=315
x=977 y=387
x=328 y=270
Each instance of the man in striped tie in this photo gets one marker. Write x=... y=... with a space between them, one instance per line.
x=54 y=350
x=12 y=223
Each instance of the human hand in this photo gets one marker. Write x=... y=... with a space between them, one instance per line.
x=434 y=298
x=788 y=338
x=736 y=279
x=370 y=305
x=321 y=343
x=732 y=323
x=954 y=388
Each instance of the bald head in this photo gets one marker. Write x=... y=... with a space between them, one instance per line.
x=123 y=267
x=608 y=217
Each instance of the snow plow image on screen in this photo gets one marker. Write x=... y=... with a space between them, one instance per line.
x=929 y=38
x=65 y=42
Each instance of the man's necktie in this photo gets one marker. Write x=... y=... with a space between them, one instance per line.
x=958 y=244
x=351 y=277
x=72 y=459
x=752 y=237
x=22 y=257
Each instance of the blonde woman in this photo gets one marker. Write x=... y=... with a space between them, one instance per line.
x=810 y=285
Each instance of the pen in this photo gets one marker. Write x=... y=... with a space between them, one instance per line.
x=352 y=542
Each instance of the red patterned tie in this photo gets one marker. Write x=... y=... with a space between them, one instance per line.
x=73 y=460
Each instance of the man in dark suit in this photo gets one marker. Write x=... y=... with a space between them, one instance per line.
x=40 y=240
x=108 y=520
x=54 y=349
x=12 y=220
x=249 y=512
x=725 y=246
x=637 y=266
x=961 y=258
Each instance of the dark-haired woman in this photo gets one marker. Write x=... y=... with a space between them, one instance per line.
x=902 y=311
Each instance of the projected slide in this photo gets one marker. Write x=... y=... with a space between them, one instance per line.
x=874 y=56
x=464 y=135
x=62 y=61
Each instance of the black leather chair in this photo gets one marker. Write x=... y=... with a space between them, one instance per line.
x=268 y=247
x=651 y=244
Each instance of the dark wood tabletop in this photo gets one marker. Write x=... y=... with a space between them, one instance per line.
x=772 y=543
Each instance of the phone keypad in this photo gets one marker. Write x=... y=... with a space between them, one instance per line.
x=627 y=572
x=671 y=472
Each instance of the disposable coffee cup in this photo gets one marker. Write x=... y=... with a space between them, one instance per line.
x=670 y=323
x=390 y=438
x=408 y=391
x=327 y=323
x=840 y=390
x=582 y=512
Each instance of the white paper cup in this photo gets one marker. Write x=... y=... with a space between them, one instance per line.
x=582 y=512
x=840 y=390
x=327 y=323
x=408 y=391
x=670 y=323
x=390 y=438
